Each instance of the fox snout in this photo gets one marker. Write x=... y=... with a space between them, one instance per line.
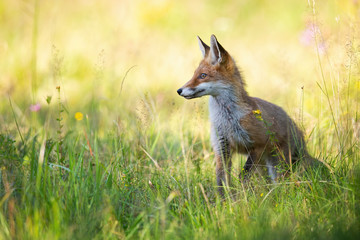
x=189 y=92
x=186 y=92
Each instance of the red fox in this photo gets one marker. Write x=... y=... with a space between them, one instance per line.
x=240 y=123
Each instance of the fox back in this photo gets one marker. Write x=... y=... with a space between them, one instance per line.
x=240 y=123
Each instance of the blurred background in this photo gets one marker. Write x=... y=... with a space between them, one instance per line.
x=96 y=143
x=121 y=62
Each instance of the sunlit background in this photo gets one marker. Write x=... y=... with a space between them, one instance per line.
x=118 y=62
x=95 y=143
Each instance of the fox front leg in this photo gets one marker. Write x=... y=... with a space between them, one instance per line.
x=223 y=166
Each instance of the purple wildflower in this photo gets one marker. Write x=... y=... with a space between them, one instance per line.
x=308 y=35
x=307 y=38
x=35 y=107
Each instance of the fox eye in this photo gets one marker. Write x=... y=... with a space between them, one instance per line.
x=203 y=75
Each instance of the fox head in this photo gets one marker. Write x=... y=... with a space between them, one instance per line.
x=214 y=74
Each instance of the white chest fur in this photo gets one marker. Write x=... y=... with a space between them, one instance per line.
x=225 y=116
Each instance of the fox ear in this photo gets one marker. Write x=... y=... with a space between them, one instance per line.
x=203 y=47
x=217 y=52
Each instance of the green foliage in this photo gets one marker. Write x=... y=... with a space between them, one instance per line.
x=119 y=192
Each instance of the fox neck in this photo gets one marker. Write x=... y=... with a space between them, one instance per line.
x=235 y=96
x=232 y=101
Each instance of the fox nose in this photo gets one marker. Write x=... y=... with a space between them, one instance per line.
x=179 y=91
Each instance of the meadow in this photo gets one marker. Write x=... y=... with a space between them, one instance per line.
x=95 y=143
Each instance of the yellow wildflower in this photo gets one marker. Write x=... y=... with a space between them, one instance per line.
x=79 y=116
x=256 y=112
x=262 y=194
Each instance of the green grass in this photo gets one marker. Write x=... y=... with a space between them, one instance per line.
x=139 y=165
x=120 y=193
